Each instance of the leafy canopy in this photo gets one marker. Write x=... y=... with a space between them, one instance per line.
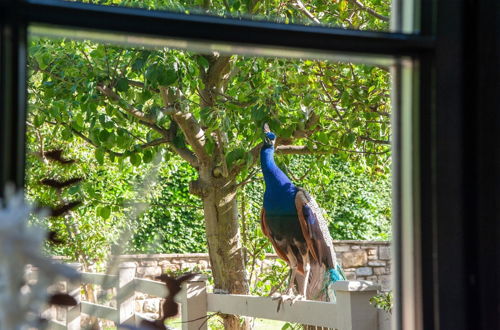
x=119 y=109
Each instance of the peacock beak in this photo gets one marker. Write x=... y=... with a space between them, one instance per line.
x=265 y=128
x=269 y=137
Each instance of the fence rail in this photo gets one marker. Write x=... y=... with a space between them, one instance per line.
x=352 y=310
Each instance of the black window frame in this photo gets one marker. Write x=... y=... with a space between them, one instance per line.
x=456 y=168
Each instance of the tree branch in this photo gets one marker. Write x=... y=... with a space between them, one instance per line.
x=332 y=102
x=248 y=179
x=107 y=91
x=304 y=150
x=369 y=139
x=299 y=5
x=213 y=78
x=369 y=10
x=136 y=113
x=184 y=153
x=92 y=143
x=140 y=84
x=195 y=135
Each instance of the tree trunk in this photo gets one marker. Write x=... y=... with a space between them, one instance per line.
x=223 y=236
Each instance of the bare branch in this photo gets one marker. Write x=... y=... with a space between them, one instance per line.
x=382 y=113
x=299 y=5
x=218 y=66
x=369 y=10
x=89 y=62
x=332 y=102
x=232 y=100
x=124 y=105
x=255 y=151
x=248 y=179
x=369 y=139
x=186 y=154
x=304 y=150
x=92 y=143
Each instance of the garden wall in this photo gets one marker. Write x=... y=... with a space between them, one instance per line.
x=361 y=260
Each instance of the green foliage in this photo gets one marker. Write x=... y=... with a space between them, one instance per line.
x=174 y=221
x=342 y=13
x=383 y=301
x=90 y=229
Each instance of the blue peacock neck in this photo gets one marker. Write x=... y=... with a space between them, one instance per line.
x=273 y=175
x=280 y=191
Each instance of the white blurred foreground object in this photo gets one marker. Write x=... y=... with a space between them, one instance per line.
x=22 y=301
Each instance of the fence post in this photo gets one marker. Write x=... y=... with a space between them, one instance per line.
x=73 y=312
x=125 y=295
x=194 y=303
x=354 y=310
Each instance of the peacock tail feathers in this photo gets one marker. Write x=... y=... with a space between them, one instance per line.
x=337 y=274
x=333 y=275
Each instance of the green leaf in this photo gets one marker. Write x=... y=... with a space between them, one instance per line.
x=106 y=122
x=179 y=141
x=348 y=140
x=122 y=85
x=98 y=53
x=135 y=159
x=66 y=134
x=105 y=136
x=167 y=77
x=152 y=75
x=157 y=74
x=147 y=156
x=202 y=61
x=38 y=120
x=104 y=211
x=122 y=139
x=99 y=155
x=43 y=59
x=234 y=156
x=345 y=99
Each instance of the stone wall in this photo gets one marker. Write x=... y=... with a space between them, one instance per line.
x=361 y=260
x=366 y=260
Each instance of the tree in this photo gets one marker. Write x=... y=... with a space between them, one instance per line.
x=133 y=104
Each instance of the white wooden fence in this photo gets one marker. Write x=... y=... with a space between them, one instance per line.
x=352 y=311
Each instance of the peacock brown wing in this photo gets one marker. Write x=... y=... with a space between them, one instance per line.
x=268 y=234
x=315 y=229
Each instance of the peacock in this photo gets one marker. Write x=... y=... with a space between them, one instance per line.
x=294 y=224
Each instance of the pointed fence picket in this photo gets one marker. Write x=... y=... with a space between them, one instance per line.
x=352 y=311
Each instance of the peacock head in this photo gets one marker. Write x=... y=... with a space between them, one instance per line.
x=269 y=137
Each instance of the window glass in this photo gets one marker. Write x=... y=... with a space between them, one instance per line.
x=159 y=146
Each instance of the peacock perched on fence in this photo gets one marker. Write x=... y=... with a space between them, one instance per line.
x=294 y=224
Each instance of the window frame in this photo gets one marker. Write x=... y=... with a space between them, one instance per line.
x=451 y=104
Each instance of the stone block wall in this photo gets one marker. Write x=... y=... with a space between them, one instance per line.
x=361 y=260
x=366 y=260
